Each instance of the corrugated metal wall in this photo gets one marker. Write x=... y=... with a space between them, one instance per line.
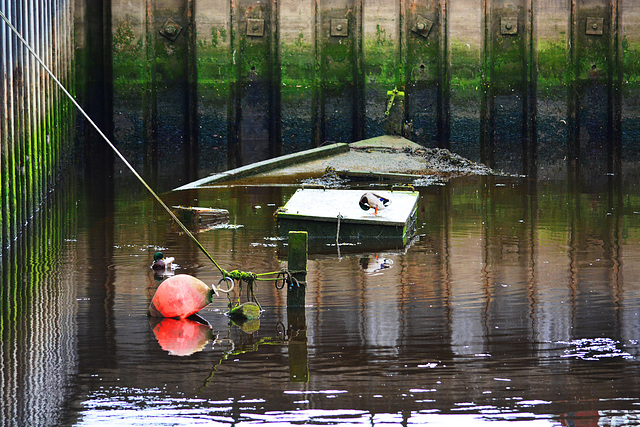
x=36 y=123
x=36 y=120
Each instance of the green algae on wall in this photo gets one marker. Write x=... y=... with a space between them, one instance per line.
x=36 y=118
x=128 y=60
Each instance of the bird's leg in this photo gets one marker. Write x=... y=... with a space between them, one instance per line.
x=375 y=212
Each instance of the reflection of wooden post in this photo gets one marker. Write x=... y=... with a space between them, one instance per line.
x=297 y=329
x=298 y=348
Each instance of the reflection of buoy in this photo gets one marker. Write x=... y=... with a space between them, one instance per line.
x=180 y=296
x=182 y=337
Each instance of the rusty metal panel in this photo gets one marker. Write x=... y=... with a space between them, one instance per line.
x=552 y=42
x=509 y=101
x=339 y=90
x=215 y=80
x=466 y=74
x=630 y=85
x=594 y=105
x=154 y=74
x=257 y=119
x=382 y=64
x=299 y=75
x=423 y=62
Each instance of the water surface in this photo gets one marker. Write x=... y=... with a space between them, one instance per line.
x=516 y=301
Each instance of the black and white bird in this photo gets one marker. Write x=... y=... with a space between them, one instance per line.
x=375 y=201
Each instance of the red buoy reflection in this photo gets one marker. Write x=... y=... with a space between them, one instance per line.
x=182 y=337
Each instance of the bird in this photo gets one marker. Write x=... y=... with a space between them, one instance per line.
x=161 y=263
x=373 y=200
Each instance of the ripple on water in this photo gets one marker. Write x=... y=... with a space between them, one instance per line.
x=594 y=349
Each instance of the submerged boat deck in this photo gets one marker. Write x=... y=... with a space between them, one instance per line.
x=334 y=214
x=375 y=156
x=329 y=205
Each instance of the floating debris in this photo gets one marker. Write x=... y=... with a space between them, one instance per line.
x=246 y=311
x=200 y=219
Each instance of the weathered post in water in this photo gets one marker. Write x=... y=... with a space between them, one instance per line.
x=298 y=249
x=296 y=319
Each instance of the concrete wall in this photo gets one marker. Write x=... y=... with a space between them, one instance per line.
x=523 y=100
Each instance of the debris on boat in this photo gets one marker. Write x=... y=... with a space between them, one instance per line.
x=330 y=179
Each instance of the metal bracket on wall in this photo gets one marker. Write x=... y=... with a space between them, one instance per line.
x=339 y=27
x=255 y=27
x=422 y=26
x=595 y=26
x=509 y=25
x=171 y=29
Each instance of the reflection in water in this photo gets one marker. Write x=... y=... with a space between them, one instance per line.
x=182 y=337
x=38 y=357
x=518 y=301
x=375 y=264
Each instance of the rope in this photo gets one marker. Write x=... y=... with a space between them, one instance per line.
x=113 y=147
x=240 y=276
x=283 y=277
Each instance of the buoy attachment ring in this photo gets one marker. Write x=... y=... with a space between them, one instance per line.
x=218 y=288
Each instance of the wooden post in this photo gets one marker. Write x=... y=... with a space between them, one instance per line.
x=298 y=248
x=296 y=318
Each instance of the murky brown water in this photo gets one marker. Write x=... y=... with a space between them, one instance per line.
x=517 y=302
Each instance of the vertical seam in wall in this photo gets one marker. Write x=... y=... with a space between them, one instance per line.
x=530 y=81
x=191 y=157
x=573 y=149
x=443 y=121
x=615 y=84
x=401 y=54
x=233 y=103
x=358 y=74
x=276 y=85
x=486 y=137
x=317 y=92
x=4 y=130
x=148 y=100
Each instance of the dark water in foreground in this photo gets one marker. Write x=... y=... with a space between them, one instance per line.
x=516 y=302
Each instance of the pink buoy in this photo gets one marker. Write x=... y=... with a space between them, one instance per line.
x=180 y=296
